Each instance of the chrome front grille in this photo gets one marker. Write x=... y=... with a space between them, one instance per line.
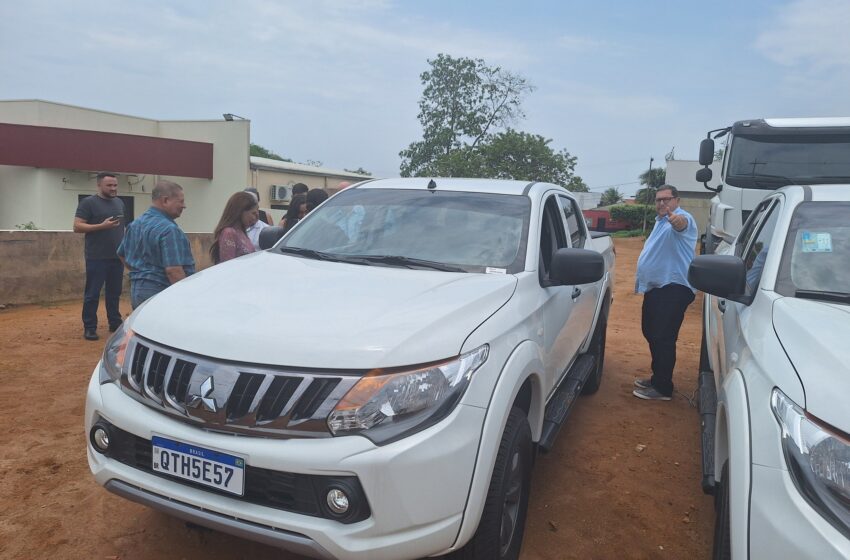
x=235 y=398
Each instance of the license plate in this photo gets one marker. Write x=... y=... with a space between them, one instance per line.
x=198 y=464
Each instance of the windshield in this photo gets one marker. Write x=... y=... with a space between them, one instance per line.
x=769 y=162
x=816 y=257
x=468 y=231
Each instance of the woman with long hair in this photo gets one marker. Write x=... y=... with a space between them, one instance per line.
x=297 y=209
x=231 y=241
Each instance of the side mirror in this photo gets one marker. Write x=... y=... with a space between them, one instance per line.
x=269 y=236
x=576 y=266
x=706 y=151
x=704 y=175
x=724 y=276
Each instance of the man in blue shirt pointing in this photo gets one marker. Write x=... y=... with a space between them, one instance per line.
x=662 y=278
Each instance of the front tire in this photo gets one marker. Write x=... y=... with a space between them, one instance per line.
x=597 y=349
x=502 y=525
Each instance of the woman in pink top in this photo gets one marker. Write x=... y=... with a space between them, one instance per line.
x=231 y=241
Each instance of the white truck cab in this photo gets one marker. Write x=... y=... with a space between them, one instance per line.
x=762 y=155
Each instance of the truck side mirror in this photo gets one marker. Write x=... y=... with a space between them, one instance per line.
x=269 y=236
x=724 y=276
x=706 y=151
x=576 y=266
x=704 y=175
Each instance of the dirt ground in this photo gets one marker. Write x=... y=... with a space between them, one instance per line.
x=621 y=482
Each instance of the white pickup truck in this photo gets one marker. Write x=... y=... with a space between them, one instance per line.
x=375 y=385
x=775 y=380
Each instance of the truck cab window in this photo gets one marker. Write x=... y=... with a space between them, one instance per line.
x=756 y=253
x=574 y=219
x=552 y=236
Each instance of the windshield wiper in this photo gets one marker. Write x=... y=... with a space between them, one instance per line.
x=309 y=253
x=409 y=262
x=839 y=297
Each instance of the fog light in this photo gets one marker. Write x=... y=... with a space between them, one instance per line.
x=337 y=501
x=100 y=437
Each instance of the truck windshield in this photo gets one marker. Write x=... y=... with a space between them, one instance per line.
x=816 y=256
x=769 y=162
x=412 y=228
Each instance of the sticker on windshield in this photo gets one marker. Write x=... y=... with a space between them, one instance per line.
x=492 y=270
x=813 y=242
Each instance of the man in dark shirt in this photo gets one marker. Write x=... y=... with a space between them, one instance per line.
x=156 y=251
x=101 y=218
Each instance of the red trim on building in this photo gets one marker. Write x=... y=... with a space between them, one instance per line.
x=90 y=150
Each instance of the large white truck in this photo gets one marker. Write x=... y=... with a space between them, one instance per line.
x=763 y=155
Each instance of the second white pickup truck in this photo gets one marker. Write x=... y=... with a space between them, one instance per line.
x=775 y=381
x=372 y=387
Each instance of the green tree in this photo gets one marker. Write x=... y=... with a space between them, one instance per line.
x=462 y=101
x=259 y=151
x=465 y=111
x=519 y=155
x=635 y=215
x=652 y=179
x=611 y=196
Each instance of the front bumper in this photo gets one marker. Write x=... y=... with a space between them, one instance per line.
x=417 y=487
x=784 y=525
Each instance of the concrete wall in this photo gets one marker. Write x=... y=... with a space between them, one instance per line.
x=698 y=206
x=46 y=266
x=681 y=174
x=49 y=197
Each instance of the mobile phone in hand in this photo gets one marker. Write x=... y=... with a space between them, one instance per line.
x=117 y=216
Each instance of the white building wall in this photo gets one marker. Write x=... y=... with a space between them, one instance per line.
x=681 y=174
x=48 y=197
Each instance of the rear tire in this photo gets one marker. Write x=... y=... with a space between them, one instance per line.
x=722 y=527
x=597 y=350
x=500 y=531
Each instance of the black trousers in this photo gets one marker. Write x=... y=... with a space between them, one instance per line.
x=663 y=313
x=98 y=273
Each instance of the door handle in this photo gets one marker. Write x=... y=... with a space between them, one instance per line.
x=576 y=292
x=721 y=305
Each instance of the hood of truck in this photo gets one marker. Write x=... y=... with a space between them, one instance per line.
x=815 y=337
x=283 y=310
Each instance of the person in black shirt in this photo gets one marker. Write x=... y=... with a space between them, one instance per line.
x=101 y=218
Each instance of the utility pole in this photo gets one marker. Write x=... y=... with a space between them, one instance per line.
x=648 y=186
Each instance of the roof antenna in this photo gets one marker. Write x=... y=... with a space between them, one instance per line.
x=432 y=185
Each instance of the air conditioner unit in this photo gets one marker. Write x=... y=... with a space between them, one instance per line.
x=281 y=193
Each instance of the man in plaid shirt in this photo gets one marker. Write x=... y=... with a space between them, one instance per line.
x=155 y=250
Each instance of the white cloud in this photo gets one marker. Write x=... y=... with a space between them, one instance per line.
x=811 y=33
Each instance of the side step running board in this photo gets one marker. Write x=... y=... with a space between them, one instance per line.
x=563 y=400
x=707 y=416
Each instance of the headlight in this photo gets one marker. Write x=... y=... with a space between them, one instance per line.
x=387 y=406
x=818 y=459
x=114 y=353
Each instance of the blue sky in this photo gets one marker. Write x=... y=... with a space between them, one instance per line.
x=338 y=81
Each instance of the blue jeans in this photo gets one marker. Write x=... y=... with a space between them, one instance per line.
x=141 y=290
x=98 y=273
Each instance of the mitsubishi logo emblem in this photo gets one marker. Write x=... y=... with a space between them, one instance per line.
x=207 y=388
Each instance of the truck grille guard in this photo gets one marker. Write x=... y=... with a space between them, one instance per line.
x=233 y=398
